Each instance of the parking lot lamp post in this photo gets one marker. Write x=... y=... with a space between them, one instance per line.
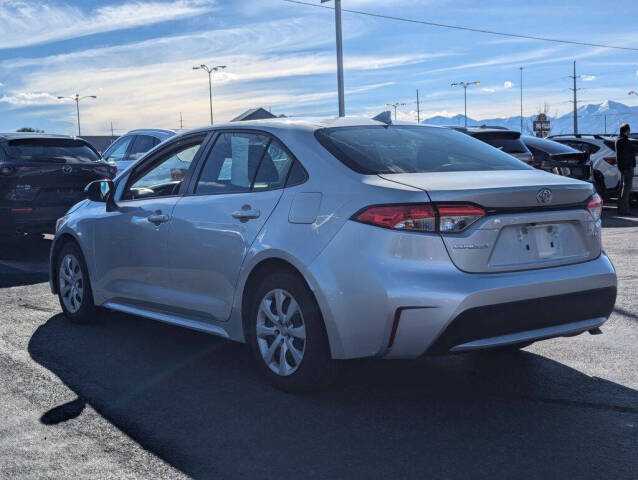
x=465 y=85
x=342 y=107
x=210 y=71
x=77 y=100
x=395 y=105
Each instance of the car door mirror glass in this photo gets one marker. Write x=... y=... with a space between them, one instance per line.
x=99 y=190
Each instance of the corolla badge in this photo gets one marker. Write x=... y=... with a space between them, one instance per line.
x=544 y=195
x=67 y=169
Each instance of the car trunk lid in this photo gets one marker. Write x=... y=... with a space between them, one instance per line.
x=533 y=219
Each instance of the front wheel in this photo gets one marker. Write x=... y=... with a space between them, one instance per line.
x=74 y=288
x=288 y=336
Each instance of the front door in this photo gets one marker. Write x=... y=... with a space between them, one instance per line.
x=131 y=261
x=238 y=187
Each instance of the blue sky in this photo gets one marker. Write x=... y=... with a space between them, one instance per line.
x=136 y=56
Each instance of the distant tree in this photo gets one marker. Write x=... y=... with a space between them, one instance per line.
x=29 y=129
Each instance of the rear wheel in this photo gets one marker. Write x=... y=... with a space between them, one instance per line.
x=74 y=288
x=288 y=336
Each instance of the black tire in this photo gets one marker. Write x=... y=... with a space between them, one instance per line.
x=87 y=311
x=601 y=190
x=316 y=370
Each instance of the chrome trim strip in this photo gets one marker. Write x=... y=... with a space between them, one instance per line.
x=168 y=318
x=566 y=329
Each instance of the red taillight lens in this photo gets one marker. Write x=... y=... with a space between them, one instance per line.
x=610 y=160
x=456 y=218
x=419 y=217
x=595 y=206
x=450 y=218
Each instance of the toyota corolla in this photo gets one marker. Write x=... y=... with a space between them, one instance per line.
x=321 y=240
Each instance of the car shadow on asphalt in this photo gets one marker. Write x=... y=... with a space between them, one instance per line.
x=198 y=403
x=611 y=219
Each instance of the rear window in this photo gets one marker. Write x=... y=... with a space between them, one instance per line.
x=506 y=143
x=376 y=149
x=51 y=150
x=548 y=146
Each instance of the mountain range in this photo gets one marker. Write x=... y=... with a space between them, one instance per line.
x=591 y=119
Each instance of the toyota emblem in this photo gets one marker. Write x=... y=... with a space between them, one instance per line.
x=544 y=196
x=67 y=169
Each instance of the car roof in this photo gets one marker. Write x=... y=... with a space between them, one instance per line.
x=153 y=132
x=24 y=135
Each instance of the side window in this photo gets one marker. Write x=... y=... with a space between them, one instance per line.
x=117 y=150
x=297 y=175
x=163 y=177
x=141 y=145
x=273 y=169
x=232 y=163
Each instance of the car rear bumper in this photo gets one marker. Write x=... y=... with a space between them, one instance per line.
x=30 y=219
x=398 y=295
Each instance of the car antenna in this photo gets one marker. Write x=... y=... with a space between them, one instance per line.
x=384 y=117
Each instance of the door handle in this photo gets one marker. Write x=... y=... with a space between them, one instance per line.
x=158 y=218
x=246 y=213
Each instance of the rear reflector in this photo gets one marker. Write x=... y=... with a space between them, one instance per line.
x=595 y=206
x=443 y=218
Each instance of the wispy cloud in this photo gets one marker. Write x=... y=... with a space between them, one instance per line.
x=588 y=78
x=30 y=23
x=508 y=84
x=29 y=98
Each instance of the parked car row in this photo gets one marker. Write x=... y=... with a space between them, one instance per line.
x=321 y=240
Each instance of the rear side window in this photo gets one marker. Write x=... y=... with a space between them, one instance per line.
x=54 y=150
x=375 y=149
x=141 y=145
x=548 y=146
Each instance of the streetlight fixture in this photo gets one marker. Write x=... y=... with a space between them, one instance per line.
x=395 y=105
x=465 y=85
x=77 y=100
x=210 y=71
x=342 y=107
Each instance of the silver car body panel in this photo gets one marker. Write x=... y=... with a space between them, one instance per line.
x=193 y=270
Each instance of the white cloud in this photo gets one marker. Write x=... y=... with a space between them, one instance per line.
x=488 y=90
x=29 y=98
x=31 y=23
x=508 y=84
x=588 y=78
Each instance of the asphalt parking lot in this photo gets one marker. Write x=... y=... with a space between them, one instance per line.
x=126 y=397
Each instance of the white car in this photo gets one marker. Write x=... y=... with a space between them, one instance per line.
x=602 y=151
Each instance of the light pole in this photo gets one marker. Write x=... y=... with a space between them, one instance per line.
x=342 y=104
x=77 y=100
x=521 y=100
x=210 y=71
x=395 y=105
x=465 y=85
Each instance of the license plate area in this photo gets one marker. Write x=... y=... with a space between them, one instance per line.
x=538 y=244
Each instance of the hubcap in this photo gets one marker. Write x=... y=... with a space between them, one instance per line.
x=281 y=332
x=71 y=283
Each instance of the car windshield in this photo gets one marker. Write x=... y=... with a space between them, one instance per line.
x=51 y=150
x=375 y=149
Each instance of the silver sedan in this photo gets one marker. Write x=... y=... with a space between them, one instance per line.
x=319 y=240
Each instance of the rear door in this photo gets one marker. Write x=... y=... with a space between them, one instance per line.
x=236 y=190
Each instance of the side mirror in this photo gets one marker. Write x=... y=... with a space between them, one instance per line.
x=99 y=190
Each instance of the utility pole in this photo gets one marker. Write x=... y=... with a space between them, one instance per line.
x=339 y=38
x=112 y=131
x=575 y=101
x=418 y=109
x=521 y=100
x=181 y=123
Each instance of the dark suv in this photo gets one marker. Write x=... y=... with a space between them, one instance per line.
x=508 y=141
x=41 y=176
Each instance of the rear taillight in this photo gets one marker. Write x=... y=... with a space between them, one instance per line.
x=431 y=218
x=532 y=162
x=610 y=160
x=595 y=206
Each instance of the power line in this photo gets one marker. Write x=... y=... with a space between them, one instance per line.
x=469 y=29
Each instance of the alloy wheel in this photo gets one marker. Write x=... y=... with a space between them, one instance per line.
x=71 y=283
x=281 y=332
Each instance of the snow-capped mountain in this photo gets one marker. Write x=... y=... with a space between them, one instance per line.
x=591 y=119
